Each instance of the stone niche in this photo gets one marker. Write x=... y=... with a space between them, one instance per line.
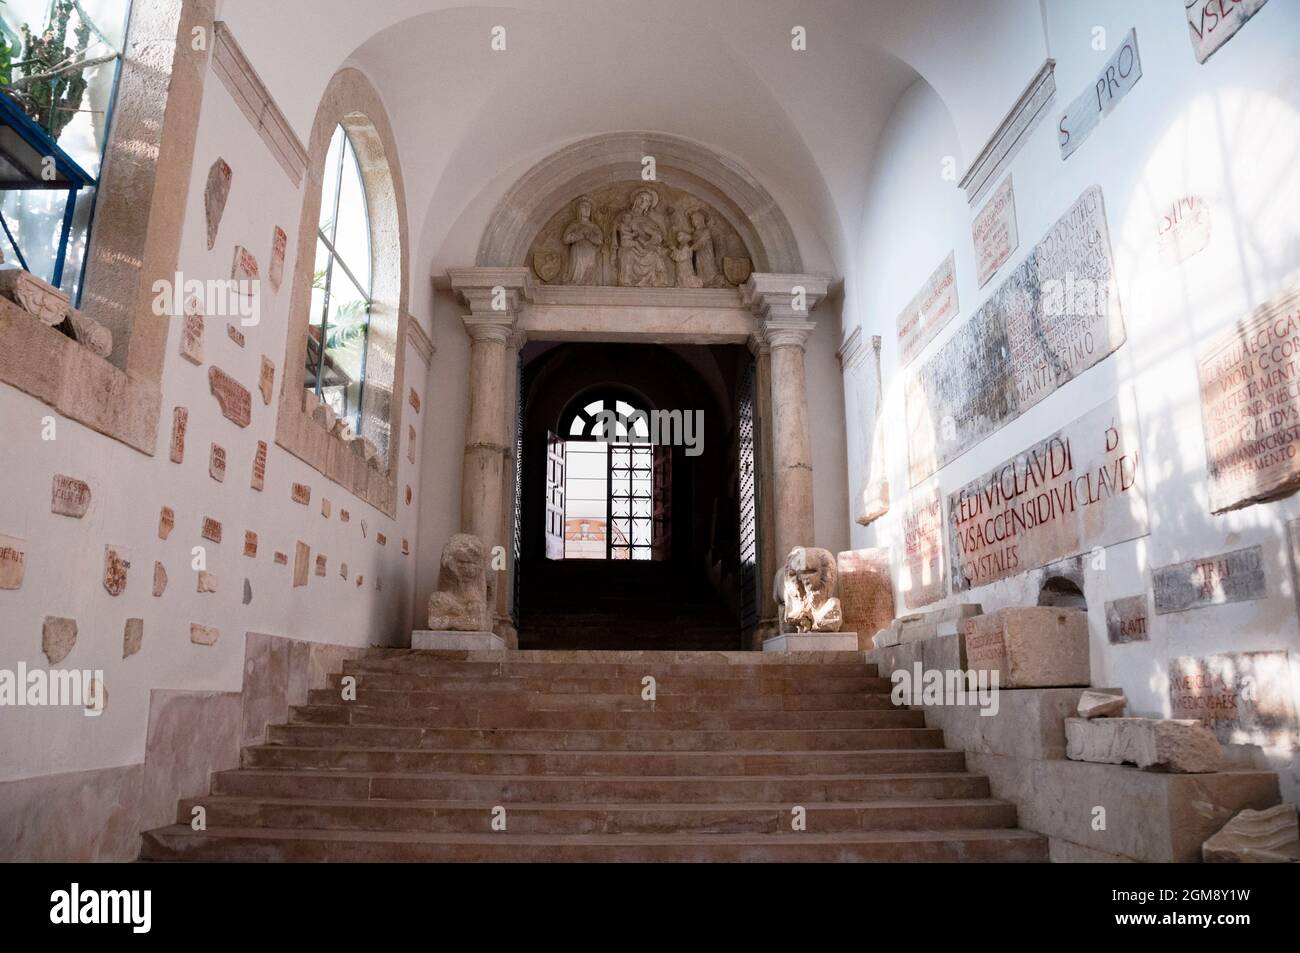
x=640 y=235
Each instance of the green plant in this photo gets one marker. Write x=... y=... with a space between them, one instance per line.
x=51 y=80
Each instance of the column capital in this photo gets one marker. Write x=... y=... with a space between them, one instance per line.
x=787 y=333
x=783 y=296
x=498 y=327
x=499 y=292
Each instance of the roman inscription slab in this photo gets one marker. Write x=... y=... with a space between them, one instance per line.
x=259 y=466
x=995 y=232
x=1237 y=576
x=410 y=445
x=320 y=564
x=300 y=493
x=217 y=463
x=866 y=591
x=266 y=379
x=211 y=529
x=414 y=398
x=166 y=522
x=1212 y=23
x=1183 y=229
x=69 y=496
x=280 y=559
x=924 y=576
x=301 y=563
x=207 y=582
x=132 y=637
x=325 y=507
x=180 y=420
x=929 y=311
x=244 y=267
x=159 y=579
x=235 y=335
x=279 y=243
x=1126 y=621
x=1243 y=697
x=381 y=539
x=1078 y=489
x=13 y=562
x=1118 y=76
x=192 y=332
x=234 y=398
x=215 y=194
x=116 y=566
x=250 y=543
x=1250 y=407
x=204 y=634
x=1056 y=315
x=58 y=636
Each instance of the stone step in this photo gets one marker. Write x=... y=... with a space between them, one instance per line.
x=180 y=842
x=634 y=656
x=469 y=817
x=537 y=739
x=504 y=788
x=415 y=664
x=343 y=713
x=659 y=763
x=560 y=682
x=506 y=700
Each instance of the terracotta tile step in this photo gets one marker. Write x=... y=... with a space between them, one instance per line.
x=672 y=763
x=633 y=670
x=640 y=657
x=560 y=683
x=343 y=713
x=471 y=817
x=636 y=789
x=620 y=701
x=249 y=844
x=567 y=739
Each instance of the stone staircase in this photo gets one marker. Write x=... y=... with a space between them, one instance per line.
x=586 y=770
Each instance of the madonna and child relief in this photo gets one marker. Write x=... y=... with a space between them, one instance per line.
x=633 y=235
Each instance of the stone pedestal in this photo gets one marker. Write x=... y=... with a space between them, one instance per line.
x=445 y=639
x=1031 y=647
x=812 y=642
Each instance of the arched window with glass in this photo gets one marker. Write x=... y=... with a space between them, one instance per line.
x=342 y=291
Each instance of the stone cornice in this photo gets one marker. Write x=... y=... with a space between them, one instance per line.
x=1011 y=133
x=779 y=296
x=488 y=291
x=419 y=339
x=851 y=351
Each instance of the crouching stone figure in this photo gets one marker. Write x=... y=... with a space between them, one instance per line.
x=461 y=603
x=805 y=589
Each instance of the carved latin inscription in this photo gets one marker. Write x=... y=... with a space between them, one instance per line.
x=234 y=398
x=923 y=579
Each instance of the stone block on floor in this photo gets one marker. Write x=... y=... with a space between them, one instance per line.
x=1030 y=647
x=812 y=642
x=445 y=639
x=1163 y=744
x=1029 y=723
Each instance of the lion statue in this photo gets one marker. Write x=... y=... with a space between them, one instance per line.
x=461 y=602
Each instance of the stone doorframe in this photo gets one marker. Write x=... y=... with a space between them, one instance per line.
x=508 y=306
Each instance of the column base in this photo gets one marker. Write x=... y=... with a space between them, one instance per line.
x=812 y=642
x=463 y=641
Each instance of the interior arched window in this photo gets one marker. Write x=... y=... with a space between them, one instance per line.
x=342 y=286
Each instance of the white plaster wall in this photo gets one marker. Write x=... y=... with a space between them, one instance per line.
x=1229 y=131
x=65 y=556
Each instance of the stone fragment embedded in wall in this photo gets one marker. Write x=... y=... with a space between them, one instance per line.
x=90 y=334
x=166 y=522
x=300 y=493
x=13 y=562
x=1182 y=747
x=1126 y=620
x=1270 y=836
x=804 y=589
x=381 y=539
x=929 y=311
x=204 y=634
x=280 y=559
x=1117 y=78
x=69 y=496
x=159 y=579
x=234 y=398
x=215 y=194
x=301 y=563
x=325 y=507
x=244 y=267
x=1056 y=315
x=414 y=398
x=460 y=603
x=866 y=591
x=924 y=577
x=323 y=414
x=207 y=582
x=1243 y=697
x=211 y=529
x=1101 y=705
x=180 y=420
x=266 y=379
x=875 y=495
x=1212 y=23
x=406 y=546
x=344 y=516
x=363 y=529
x=410 y=444
x=235 y=335
x=343 y=570
x=1183 y=229
x=995 y=232
x=408 y=494
x=192 y=331
x=279 y=244
x=1237 y=576
x=250 y=543
x=259 y=466
x=58 y=636
x=360 y=580
x=633 y=234
x=1077 y=490
x=37 y=297
x=96 y=694
x=217 y=463
x=320 y=564
x=248 y=593
x=116 y=567
x=1030 y=646
x=1249 y=410
x=132 y=637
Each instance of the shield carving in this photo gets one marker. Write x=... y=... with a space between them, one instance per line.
x=547 y=264
x=736 y=270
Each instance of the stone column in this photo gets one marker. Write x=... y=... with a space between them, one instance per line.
x=766 y=511
x=782 y=304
